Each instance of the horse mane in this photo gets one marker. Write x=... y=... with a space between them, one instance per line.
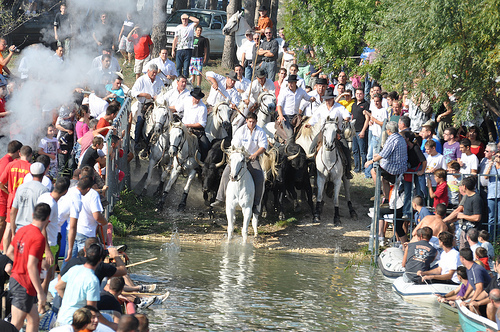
x=191 y=139
x=268 y=162
x=304 y=131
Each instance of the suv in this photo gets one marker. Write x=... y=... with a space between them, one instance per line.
x=212 y=22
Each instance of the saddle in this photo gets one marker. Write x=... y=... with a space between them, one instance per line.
x=297 y=122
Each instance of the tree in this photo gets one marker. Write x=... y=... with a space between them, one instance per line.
x=442 y=46
x=335 y=28
x=229 y=54
x=179 y=4
x=249 y=6
x=159 y=35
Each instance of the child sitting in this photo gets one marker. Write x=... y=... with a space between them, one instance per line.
x=440 y=195
x=459 y=291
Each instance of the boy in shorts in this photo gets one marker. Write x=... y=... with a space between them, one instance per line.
x=142 y=49
x=200 y=56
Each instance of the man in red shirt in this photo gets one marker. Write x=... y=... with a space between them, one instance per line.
x=12 y=153
x=10 y=179
x=26 y=250
x=107 y=119
x=142 y=49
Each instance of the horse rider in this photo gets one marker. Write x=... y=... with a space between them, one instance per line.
x=223 y=89
x=335 y=112
x=254 y=140
x=178 y=94
x=242 y=83
x=259 y=85
x=166 y=68
x=288 y=106
x=194 y=117
x=308 y=109
x=145 y=89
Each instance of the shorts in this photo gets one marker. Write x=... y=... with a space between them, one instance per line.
x=126 y=45
x=196 y=66
x=20 y=299
x=388 y=176
x=139 y=64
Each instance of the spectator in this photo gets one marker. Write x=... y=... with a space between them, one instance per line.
x=267 y=55
x=392 y=99
x=13 y=149
x=469 y=210
x=142 y=49
x=128 y=323
x=404 y=123
x=5 y=61
x=116 y=89
x=417 y=163
x=62 y=28
x=476 y=146
x=459 y=291
x=109 y=296
x=469 y=162
x=484 y=238
x=247 y=53
x=166 y=68
x=435 y=160
x=49 y=146
x=111 y=67
x=92 y=154
x=453 y=181
x=125 y=46
x=107 y=120
x=81 y=318
x=492 y=169
x=199 y=57
x=183 y=44
x=451 y=147
x=143 y=322
x=264 y=21
x=397 y=111
x=440 y=195
x=393 y=157
x=472 y=241
x=103 y=35
x=377 y=115
x=448 y=262
x=418 y=255
x=26 y=251
x=360 y=139
x=421 y=210
x=477 y=276
x=481 y=254
x=427 y=133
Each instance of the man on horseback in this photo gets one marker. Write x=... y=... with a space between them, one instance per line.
x=308 y=109
x=222 y=89
x=254 y=140
x=166 y=68
x=335 y=112
x=194 y=117
x=262 y=83
x=145 y=89
x=176 y=96
x=288 y=106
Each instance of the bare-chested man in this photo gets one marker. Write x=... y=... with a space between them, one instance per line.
x=435 y=222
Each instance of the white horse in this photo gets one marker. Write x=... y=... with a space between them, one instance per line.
x=183 y=146
x=265 y=113
x=161 y=118
x=219 y=121
x=238 y=25
x=329 y=167
x=240 y=191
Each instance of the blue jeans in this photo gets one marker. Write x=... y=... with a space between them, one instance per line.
x=493 y=217
x=182 y=60
x=138 y=131
x=270 y=68
x=248 y=72
x=372 y=143
x=359 y=150
x=408 y=189
x=77 y=246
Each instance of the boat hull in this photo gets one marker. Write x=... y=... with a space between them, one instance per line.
x=426 y=293
x=472 y=322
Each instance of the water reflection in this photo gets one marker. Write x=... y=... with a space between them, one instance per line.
x=233 y=287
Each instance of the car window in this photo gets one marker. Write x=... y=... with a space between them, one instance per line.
x=217 y=19
x=176 y=18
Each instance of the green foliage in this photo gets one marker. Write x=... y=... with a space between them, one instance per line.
x=335 y=28
x=442 y=46
x=286 y=222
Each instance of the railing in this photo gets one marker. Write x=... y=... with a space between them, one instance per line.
x=493 y=228
x=115 y=163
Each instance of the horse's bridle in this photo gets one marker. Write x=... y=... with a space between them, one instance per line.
x=181 y=143
x=238 y=173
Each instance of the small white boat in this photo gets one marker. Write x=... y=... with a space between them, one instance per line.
x=389 y=262
x=472 y=322
x=420 y=292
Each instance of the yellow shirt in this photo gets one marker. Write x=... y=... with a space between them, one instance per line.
x=347 y=104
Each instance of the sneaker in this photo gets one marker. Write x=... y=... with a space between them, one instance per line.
x=124 y=63
x=163 y=298
x=146 y=302
x=217 y=203
x=148 y=288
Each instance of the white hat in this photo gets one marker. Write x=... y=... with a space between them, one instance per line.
x=37 y=169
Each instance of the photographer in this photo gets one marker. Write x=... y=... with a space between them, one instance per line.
x=5 y=61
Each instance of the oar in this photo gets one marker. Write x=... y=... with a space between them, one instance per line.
x=142 y=262
x=142 y=294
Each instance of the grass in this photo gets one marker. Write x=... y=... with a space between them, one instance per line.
x=287 y=222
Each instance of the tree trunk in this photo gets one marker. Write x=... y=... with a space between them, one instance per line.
x=249 y=6
x=213 y=4
x=273 y=15
x=229 y=53
x=258 y=3
x=159 y=35
x=224 y=5
x=179 y=4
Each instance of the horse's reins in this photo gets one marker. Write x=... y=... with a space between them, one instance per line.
x=238 y=173
x=336 y=155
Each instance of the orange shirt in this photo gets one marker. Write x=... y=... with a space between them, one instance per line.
x=13 y=176
x=264 y=22
x=101 y=124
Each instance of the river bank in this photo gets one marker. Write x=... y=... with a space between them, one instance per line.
x=136 y=217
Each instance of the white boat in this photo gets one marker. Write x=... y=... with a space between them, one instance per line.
x=472 y=322
x=389 y=262
x=420 y=292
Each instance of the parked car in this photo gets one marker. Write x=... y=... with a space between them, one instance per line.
x=212 y=22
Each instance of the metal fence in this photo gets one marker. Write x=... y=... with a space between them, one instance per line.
x=116 y=159
x=481 y=186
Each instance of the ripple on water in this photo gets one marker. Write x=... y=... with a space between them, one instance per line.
x=230 y=287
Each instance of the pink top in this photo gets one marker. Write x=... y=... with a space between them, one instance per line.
x=81 y=129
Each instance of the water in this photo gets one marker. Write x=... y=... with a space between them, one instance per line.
x=231 y=288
